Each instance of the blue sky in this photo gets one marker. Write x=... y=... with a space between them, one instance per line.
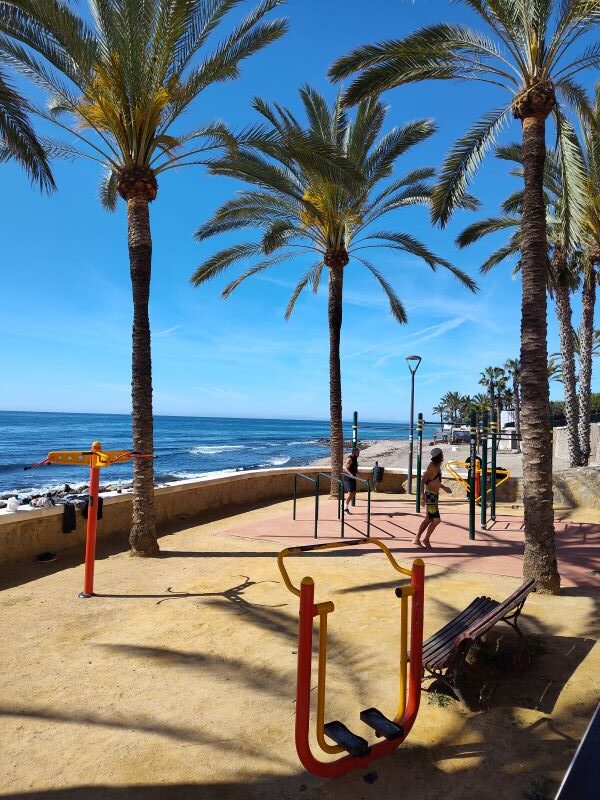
x=65 y=308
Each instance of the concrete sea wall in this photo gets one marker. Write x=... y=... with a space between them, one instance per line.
x=24 y=534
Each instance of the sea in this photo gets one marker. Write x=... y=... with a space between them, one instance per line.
x=185 y=447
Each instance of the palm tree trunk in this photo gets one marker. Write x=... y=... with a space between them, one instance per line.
x=336 y=282
x=564 y=314
x=143 y=529
x=540 y=548
x=517 y=394
x=588 y=302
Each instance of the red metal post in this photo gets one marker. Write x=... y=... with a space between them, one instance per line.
x=92 y=522
x=416 y=645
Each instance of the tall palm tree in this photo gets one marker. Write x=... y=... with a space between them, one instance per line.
x=563 y=264
x=591 y=269
x=530 y=53
x=494 y=380
x=320 y=190
x=18 y=141
x=119 y=89
x=513 y=368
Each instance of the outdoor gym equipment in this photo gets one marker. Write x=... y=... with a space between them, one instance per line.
x=393 y=730
x=340 y=500
x=502 y=475
x=96 y=458
x=354 y=441
x=419 y=460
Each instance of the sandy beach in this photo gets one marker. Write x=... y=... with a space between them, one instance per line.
x=394 y=455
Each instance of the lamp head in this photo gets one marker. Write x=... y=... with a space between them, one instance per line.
x=413 y=363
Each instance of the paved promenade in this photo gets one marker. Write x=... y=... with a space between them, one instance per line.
x=498 y=550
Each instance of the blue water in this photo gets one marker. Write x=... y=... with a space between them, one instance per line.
x=185 y=447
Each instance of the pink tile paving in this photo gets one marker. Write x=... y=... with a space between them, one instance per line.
x=497 y=550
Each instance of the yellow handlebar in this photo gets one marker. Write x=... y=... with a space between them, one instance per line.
x=291 y=551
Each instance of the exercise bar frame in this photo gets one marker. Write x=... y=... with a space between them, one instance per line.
x=410 y=672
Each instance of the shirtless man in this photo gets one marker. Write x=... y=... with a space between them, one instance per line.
x=430 y=490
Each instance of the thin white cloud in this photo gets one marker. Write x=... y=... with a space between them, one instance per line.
x=419 y=337
x=166 y=332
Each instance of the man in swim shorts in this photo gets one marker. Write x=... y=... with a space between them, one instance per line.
x=349 y=475
x=430 y=490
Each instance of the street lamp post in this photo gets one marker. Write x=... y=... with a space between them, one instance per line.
x=413 y=365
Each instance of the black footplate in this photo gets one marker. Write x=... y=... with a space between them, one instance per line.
x=381 y=724
x=340 y=734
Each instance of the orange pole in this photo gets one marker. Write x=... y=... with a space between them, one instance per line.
x=92 y=523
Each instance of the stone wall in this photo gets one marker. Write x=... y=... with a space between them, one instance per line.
x=24 y=534
x=561 y=449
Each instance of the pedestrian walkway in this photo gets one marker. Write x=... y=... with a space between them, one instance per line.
x=496 y=551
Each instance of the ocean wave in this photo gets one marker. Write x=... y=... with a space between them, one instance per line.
x=214 y=449
x=278 y=461
x=190 y=476
x=306 y=441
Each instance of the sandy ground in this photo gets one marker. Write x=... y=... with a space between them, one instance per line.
x=394 y=454
x=177 y=681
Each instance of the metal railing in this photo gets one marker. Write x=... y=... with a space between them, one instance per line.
x=340 y=485
x=315 y=482
x=368 y=485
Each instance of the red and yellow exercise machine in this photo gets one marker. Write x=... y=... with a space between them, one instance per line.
x=96 y=458
x=502 y=475
x=394 y=730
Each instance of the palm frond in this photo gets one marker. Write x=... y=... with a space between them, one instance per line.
x=462 y=163
x=222 y=260
x=311 y=277
x=18 y=140
x=264 y=265
x=476 y=231
x=397 y=308
x=108 y=190
x=575 y=187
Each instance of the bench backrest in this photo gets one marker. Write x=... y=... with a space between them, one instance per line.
x=485 y=623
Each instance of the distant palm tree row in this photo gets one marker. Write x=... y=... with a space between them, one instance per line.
x=117 y=87
x=456 y=408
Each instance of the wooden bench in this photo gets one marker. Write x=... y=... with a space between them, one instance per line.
x=445 y=652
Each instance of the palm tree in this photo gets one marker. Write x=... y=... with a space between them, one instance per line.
x=18 y=141
x=493 y=378
x=454 y=403
x=554 y=369
x=321 y=189
x=529 y=53
x=591 y=271
x=513 y=368
x=563 y=265
x=131 y=77
x=441 y=410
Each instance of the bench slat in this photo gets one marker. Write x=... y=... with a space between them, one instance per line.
x=505 y=607
x=439 y=648
x=479 y=617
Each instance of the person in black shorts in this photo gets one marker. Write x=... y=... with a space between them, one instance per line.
x=430 y=490
x=349 y=475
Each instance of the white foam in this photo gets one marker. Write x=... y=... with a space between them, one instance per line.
x=278 y=461
x=190 y=476
x=307 y=441
x=213 y=450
